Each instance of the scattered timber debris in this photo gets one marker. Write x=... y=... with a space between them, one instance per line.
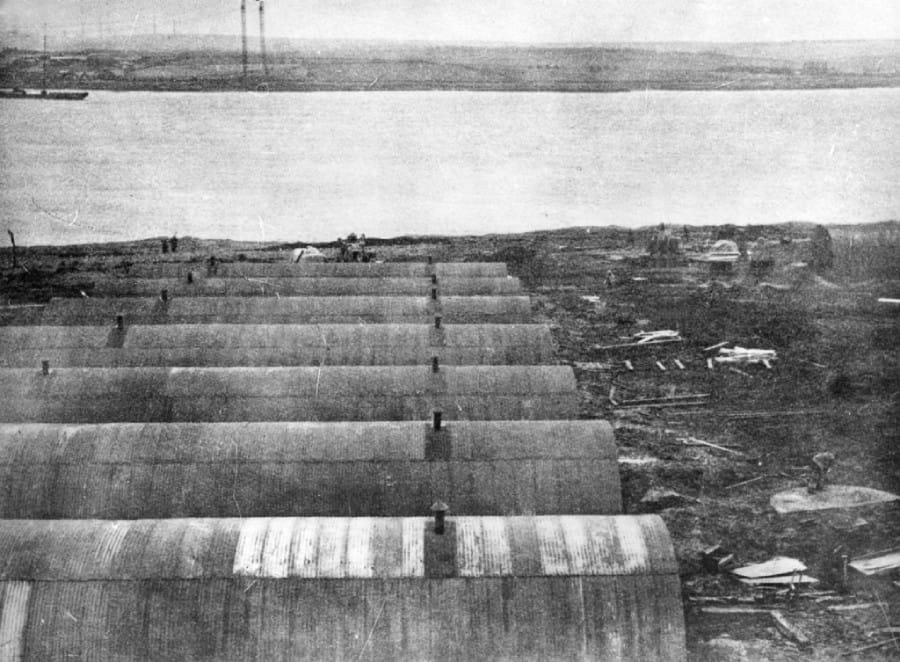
x=657 y=499
x=878 y=562
x=799 y=499
x=859 y=606
x=716 y=559
x=716 y=346
x=749 y=481
x=788 y=630
x=693 y=441
x=745 y=356
x=780 y=570
x=869 y=647
x=592 y=365
x=645 y=337
x=778 y=618
x=668 y=401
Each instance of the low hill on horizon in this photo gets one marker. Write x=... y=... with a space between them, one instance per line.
x=875 y=55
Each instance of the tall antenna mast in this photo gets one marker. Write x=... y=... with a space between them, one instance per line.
x=244 y=40
x=262 y=36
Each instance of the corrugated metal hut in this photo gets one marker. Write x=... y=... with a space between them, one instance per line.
x=159 y=470
x=486 y=588
x=324 y=270
x=100 y=395
x=288 y=310
x=274 y=345
x=104 y=285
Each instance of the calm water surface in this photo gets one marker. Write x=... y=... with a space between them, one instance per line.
x=313 y=166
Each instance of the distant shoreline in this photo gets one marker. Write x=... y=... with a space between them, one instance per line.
x=582 y=88
x=156 y=64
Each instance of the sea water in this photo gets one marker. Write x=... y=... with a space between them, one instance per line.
x=313 y=166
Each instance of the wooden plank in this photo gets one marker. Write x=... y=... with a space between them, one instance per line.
x=788 y=629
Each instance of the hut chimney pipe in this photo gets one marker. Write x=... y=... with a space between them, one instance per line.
x=440 y=511
x=190 y=276
x=45 y=367
x=434 y=364
x=164 y=294
x=437 y=321
x=434 y=293
x=434 y=279
x=120 y=322
x=429 y=259
x=437 y=421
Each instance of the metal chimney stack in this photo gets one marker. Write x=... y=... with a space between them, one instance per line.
x=439 y=508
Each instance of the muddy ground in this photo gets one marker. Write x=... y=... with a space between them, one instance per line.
x=834 y=386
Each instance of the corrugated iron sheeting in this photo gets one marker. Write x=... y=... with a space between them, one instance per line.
x=325 y=270
x=340 y=588
x=89 y=395
x=245 y=469
x=106 y=285
x=150 y=443
x=510 y=619
x=214 y=345
x=320 y=547
x=140 y=408
x=288 y=310
x=262 y=489
x=13 y=617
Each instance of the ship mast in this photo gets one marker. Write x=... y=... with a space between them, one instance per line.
x=244 y=41
x=262 y=37
x=44 y=62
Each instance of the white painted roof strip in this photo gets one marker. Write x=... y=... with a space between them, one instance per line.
x=13 y=617
x=334 y=547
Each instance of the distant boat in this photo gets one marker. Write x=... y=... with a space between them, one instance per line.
x=19 y=93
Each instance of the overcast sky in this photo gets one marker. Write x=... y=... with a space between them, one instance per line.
x=526 y=21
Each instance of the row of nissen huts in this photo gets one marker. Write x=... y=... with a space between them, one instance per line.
x=255 y=461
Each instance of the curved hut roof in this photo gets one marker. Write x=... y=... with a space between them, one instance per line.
x=106 y=285
x=100 y=395
x=288 y=310
x=159 y=470
x=324 y=270
x=275 y=345
x=507 y=588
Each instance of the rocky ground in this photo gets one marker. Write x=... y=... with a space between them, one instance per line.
x=730 y=438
